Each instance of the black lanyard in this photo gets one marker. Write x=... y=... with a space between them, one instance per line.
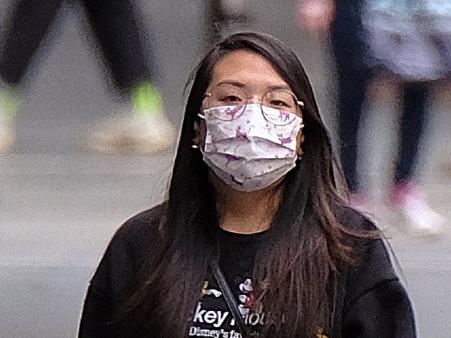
x=230 y=299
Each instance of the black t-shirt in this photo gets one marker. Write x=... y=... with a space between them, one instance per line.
x=212 y=317
x=371 y=303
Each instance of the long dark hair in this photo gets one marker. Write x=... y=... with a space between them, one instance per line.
x=296 y=279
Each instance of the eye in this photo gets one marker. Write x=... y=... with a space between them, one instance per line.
x=231 y=98
x=279 y=103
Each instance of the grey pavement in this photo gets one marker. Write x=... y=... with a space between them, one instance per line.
x=59 y=206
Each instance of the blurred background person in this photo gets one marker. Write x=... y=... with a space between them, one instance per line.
x=222 y=14
x=144 y=128
x=361 y=50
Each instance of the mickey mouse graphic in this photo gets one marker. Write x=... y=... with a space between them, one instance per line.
x=247 y=299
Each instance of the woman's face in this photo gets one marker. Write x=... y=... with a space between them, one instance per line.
x=250 y=73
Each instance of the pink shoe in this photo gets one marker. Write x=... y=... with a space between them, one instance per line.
x=411 y=203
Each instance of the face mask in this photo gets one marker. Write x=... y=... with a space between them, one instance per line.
x=250 y=153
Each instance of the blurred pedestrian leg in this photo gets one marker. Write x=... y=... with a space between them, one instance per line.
x=144 y=128
x=353 y=77
x=413 y=123
x=405 y=194
x=220 y=15
x=26 y=27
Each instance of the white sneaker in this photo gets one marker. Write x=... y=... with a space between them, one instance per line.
x=133 y=134
x=410 y=202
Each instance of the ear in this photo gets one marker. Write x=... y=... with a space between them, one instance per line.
x=300 y=140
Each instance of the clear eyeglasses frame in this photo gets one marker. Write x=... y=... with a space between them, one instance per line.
x=285 y=105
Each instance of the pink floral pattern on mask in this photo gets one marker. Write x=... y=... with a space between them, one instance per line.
x=284 y=116
x=249 y=152
x=285 y=140
x=232 y=111
x=240 y=134
x=231 y=158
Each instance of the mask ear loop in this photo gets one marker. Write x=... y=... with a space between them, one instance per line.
x=196 y=128
x=201 y=113
x=301 y=152
x=203 y=117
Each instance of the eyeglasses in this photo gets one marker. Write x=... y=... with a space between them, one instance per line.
x=285 y=105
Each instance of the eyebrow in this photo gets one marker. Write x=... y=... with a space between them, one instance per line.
x=242 y=85
x=231 y=82
x=280 y=87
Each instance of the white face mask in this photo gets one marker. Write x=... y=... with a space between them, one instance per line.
x=249 y=153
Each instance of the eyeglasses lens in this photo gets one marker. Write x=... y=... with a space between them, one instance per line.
x=284 y=104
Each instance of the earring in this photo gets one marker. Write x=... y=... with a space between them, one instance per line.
x=196 y=138
x=301 y=152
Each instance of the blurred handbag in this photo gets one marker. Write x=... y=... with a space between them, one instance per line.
x=410 y=38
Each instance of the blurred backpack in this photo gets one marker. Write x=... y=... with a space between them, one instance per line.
x=410 y=38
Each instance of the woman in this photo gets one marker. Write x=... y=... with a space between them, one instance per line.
x=253 y=197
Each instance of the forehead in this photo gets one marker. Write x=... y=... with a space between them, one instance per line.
x=249 y=68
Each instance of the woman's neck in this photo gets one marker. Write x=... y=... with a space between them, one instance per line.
x=245 y=212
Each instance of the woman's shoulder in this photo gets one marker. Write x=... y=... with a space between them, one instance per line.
x=140 y=233
x=372 y=255
x=128 y=249
x=147 y=222
x=372 y=288
x=364 y=237
x=355 y=220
